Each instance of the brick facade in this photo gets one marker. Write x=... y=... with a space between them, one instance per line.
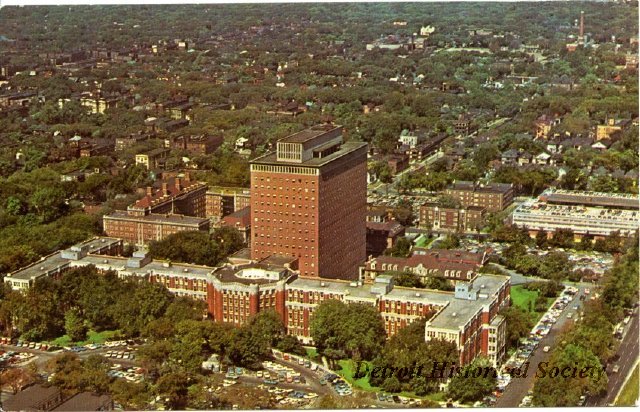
x=308 y=201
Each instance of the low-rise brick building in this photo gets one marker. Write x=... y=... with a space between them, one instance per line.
x=451 y=219
x=243 y=287
x=455 y=265
x=494 y=197
x=141 y=230
x=222 y=201
x=241 y=221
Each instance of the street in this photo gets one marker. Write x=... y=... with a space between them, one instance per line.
x=518 y=388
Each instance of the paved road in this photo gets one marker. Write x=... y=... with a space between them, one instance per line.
x=628 y=352
x=518 y=388
x=519 y=278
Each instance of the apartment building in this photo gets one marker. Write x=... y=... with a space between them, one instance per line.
x=222 y=201
x=451 y=219
x=494 y=197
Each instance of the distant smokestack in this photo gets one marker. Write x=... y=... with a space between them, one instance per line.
x=582 y=25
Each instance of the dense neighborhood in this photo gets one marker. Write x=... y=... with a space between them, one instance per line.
x=241 y=206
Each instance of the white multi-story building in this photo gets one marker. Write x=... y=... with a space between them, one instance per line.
x=593 y=213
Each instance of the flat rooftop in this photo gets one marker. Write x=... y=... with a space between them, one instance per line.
x=229 y=274
x=100 y=242
x=155 y=266
x=309 y=134
x=580 y=197
x=586 y=213
x=341 y=287
x=345 y=149
x=459 y=311
x=157 y=218
x=48 y=264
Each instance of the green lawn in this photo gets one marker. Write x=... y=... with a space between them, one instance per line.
x=522 y=297
x=312 y=353
x=424 y=241
x=526 y=299
x=628 y=396
x=92 y=337
x=348 y=369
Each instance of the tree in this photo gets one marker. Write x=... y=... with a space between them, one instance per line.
x=268 y=324
x=49 y=203
x=173 y=389
x=402 y=248
x=16 y=379
x=197 y=247
x=439 y=283
x=291 y=344
x=518 y=324
x=562 y=238
x=555 y=265
x=248 y=347
x=131 y=395
x=471 y=386
x=451 y=241
x=541 y=239
x=549 y=391
x=407 y=279
x=354 y=329
x=408 y=349
x=74 y=325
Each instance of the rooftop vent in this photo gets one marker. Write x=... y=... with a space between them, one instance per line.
x=417 y=294
x=185 y=270
x=322 y=284
x=166 y=265
x=454 y=314
x=105 y=261
x=41 y=267
x=482 y=286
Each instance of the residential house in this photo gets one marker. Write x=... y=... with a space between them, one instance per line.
x=195 y=145
x=544 y=158
x=602 y=145
x=544 y=124
x=611 y=128
x=153 y=158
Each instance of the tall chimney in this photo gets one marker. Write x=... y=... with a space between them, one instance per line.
x=178 y=184
x=165 y=189
x=149 y=191
x=582 y=25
